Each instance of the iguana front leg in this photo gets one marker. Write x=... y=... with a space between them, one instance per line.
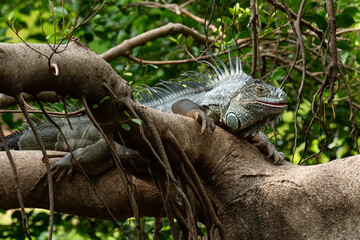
x=188 y=108
x=261 y=141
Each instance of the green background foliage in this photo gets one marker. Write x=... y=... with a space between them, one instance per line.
x=120 y=20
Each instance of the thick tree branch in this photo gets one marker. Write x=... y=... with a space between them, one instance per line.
x=182 y=61
x=256 y=195
x=124 y=48
x=75 y=196
x=24 y=70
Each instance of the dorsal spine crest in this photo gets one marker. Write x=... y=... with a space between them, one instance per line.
x=196 y=82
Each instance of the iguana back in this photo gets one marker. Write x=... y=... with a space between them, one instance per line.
x=228 y=96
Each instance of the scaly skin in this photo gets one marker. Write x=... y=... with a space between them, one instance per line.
x=225 y=97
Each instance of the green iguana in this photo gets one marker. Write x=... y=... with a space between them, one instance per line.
x=223 y=96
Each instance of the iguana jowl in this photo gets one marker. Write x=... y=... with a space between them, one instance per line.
x=223 y=96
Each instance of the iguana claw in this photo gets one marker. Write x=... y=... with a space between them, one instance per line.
x=188 y=108
x=207 y=123
x=261 y=141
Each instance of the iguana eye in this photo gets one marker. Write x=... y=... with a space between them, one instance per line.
x=259 y=89
x=232 y=121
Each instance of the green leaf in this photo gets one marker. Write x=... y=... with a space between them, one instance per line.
x=318 y=19
x=267 y=31
x=8 y=119
x=18 y=27
x=136 y=120
x=344 y=57
x=174 y=40
x=126 y=113
x=217 y=44
x=278 y=73
x=128 y=74
x=344 y=21
x=179 y=37
x=351 y=11
x=10 y=15
x=125 y=126
x=358 y=57
x=342 y=44
x=232 y=11
x=69 y=25
x=104 y=99
x=244 y=34
x=189 y=41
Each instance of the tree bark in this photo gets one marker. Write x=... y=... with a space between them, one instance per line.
x=253 y=198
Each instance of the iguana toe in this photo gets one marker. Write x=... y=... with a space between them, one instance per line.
x=207 y=123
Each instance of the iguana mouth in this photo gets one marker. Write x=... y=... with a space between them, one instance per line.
x=280 y=104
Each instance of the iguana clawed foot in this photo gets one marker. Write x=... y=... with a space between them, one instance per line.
x=207 y=123
x=188 y=108
x=261 y=141
x=58 y=173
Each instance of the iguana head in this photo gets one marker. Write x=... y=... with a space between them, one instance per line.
x=242 y=103
x=256 y=105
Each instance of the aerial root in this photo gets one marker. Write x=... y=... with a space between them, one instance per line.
x=159 y=223
x=22 y=106
x=166 y=182
x=123 y=175
x=195 y=178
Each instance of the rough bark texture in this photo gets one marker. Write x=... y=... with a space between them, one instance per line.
x=253 y=198
x=81 y=71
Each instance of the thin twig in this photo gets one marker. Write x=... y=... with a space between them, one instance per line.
x=302 y=50
x=125 y=179
x=332 y=68
x=352 y=114
x=46 y=160
x=171 y=138
x=254 y=37
x=315 y=116
x=317 y=31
